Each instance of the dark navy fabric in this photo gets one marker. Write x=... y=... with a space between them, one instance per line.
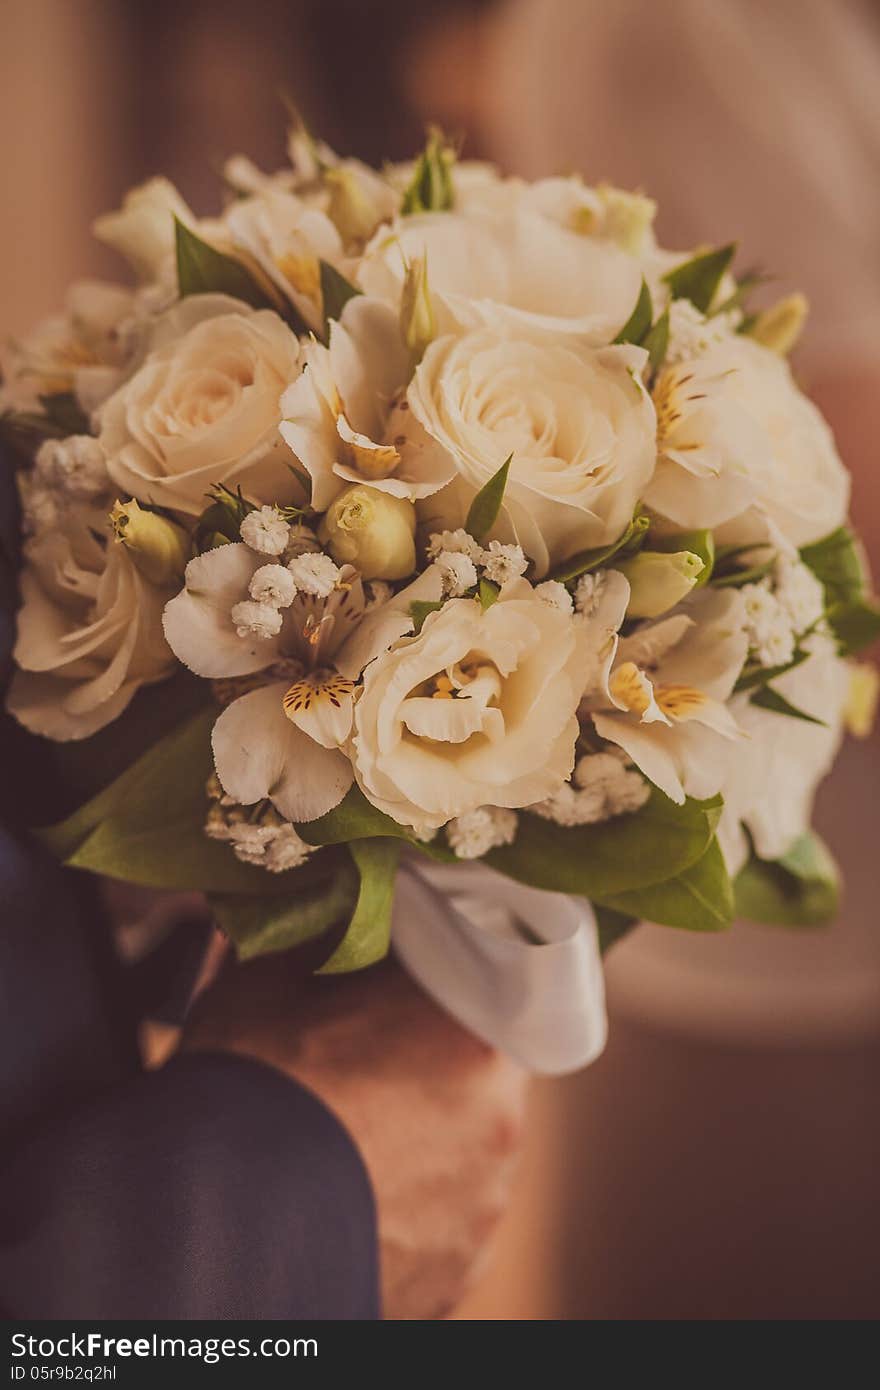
x=214 y=1188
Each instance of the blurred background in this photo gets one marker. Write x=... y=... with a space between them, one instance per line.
x=722 y=1159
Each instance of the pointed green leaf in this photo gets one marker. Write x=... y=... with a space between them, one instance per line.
x=369 y=932
x=336 y=291
x=486 y=505
x=754 y=676
x=639 y=322
x=430 y=188
x=613 y=926
x=799 y=890
x=488 y=593
x=356 y=818
x=262 y=925
x=599 y=861
x=419 y=610
x=768 y=698
x=856 y=625
x=700 y=898
x=201 y=269
x=838 y=564
x=698 y=279
x=657 y=342
x=64 y=411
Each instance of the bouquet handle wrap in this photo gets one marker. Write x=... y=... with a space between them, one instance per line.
x=519 y=967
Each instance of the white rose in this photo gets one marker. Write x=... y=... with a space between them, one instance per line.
x=770 y=778
x=204 y=408
x=143 y=228
x=89 y=629
x=511 y=255
x=479 y=709
x=577 y=422
x=742 y=450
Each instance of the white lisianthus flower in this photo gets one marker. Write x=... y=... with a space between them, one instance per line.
x=204 y=408
x=577 y=423
x=143 y=228
x=510 y=253
x=478 y=709
x=89 y=628
x=743 y=452
x=769 y=780
x=661 y=693
x=287 y=239
x=346 y=418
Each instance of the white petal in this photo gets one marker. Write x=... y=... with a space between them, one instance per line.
x=198 y=626
x=383 y=626
x=649 y=747
x=259 y=753
x=322 y=708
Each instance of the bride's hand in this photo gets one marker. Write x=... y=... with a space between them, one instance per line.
x=435 y=1114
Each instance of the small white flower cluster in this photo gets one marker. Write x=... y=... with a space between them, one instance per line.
x=555 y=595
x=273 y=587
x=473 y=834
x=692 y=334
x=460 y=559
x=76 y=467
x=781 y=610
x=588 y=592
x=257 y=835
x=602 y=786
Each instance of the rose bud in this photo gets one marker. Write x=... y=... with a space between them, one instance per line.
x=372 y=531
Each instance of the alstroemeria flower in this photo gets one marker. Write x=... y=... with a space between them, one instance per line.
x=346 y=417
x=660 y=694
x=288 y=239
x=284 y=740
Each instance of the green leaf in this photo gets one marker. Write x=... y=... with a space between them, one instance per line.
x=419 y=610
x=754 y=676
x=599 y=861
x=768 y=698
x=356 y=818
x=64 y=411
x=639 y=322
x=201 y=269
x=369 y=932
x=488 y=593
x=856 y=625
x=585 y=560
x=736 y=579
x=24 y=431
x=657 y=342
x=699 y=278
x=261 y=925
x=799 y=890
x=700 y=543
x=336 y=291
x=430 y=188
x=700 y=898
x=837 y=563
x=222 y=517
x=483 y=511
x=613 y=926
x=146 y=827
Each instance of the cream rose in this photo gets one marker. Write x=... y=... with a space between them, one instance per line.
x=742 y=450
x=204 y=408
x=479 y=709
x=577 y=423
x=89 y=628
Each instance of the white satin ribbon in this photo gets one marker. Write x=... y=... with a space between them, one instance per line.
x=517 y=966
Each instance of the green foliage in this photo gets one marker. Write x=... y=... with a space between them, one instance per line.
x=483 y=511
x=201 y=269
x=638 y=325
x=221 y=520
x=656 y=342
x=699 y=898
x=65 y=413
x=768 y=698
x=369 y=931
x=838 y=564
x=317 y=896
x=419 y=610
x=799 y=890
x=613 y=926
x=698 y=279
x=487 y=593
x=146 y=827
x=630 y=541
x=336 y=291
x=601 y=861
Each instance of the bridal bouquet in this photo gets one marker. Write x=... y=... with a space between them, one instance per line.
x=425 y=517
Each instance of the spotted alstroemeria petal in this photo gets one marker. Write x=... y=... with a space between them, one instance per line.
x=321 y=704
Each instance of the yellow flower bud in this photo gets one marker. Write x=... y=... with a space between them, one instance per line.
x=658 y=582
x=861 y=700
x=418 y=323
x=372 y=531
x=780 y=326
x=158 y=547
x=349 y=209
